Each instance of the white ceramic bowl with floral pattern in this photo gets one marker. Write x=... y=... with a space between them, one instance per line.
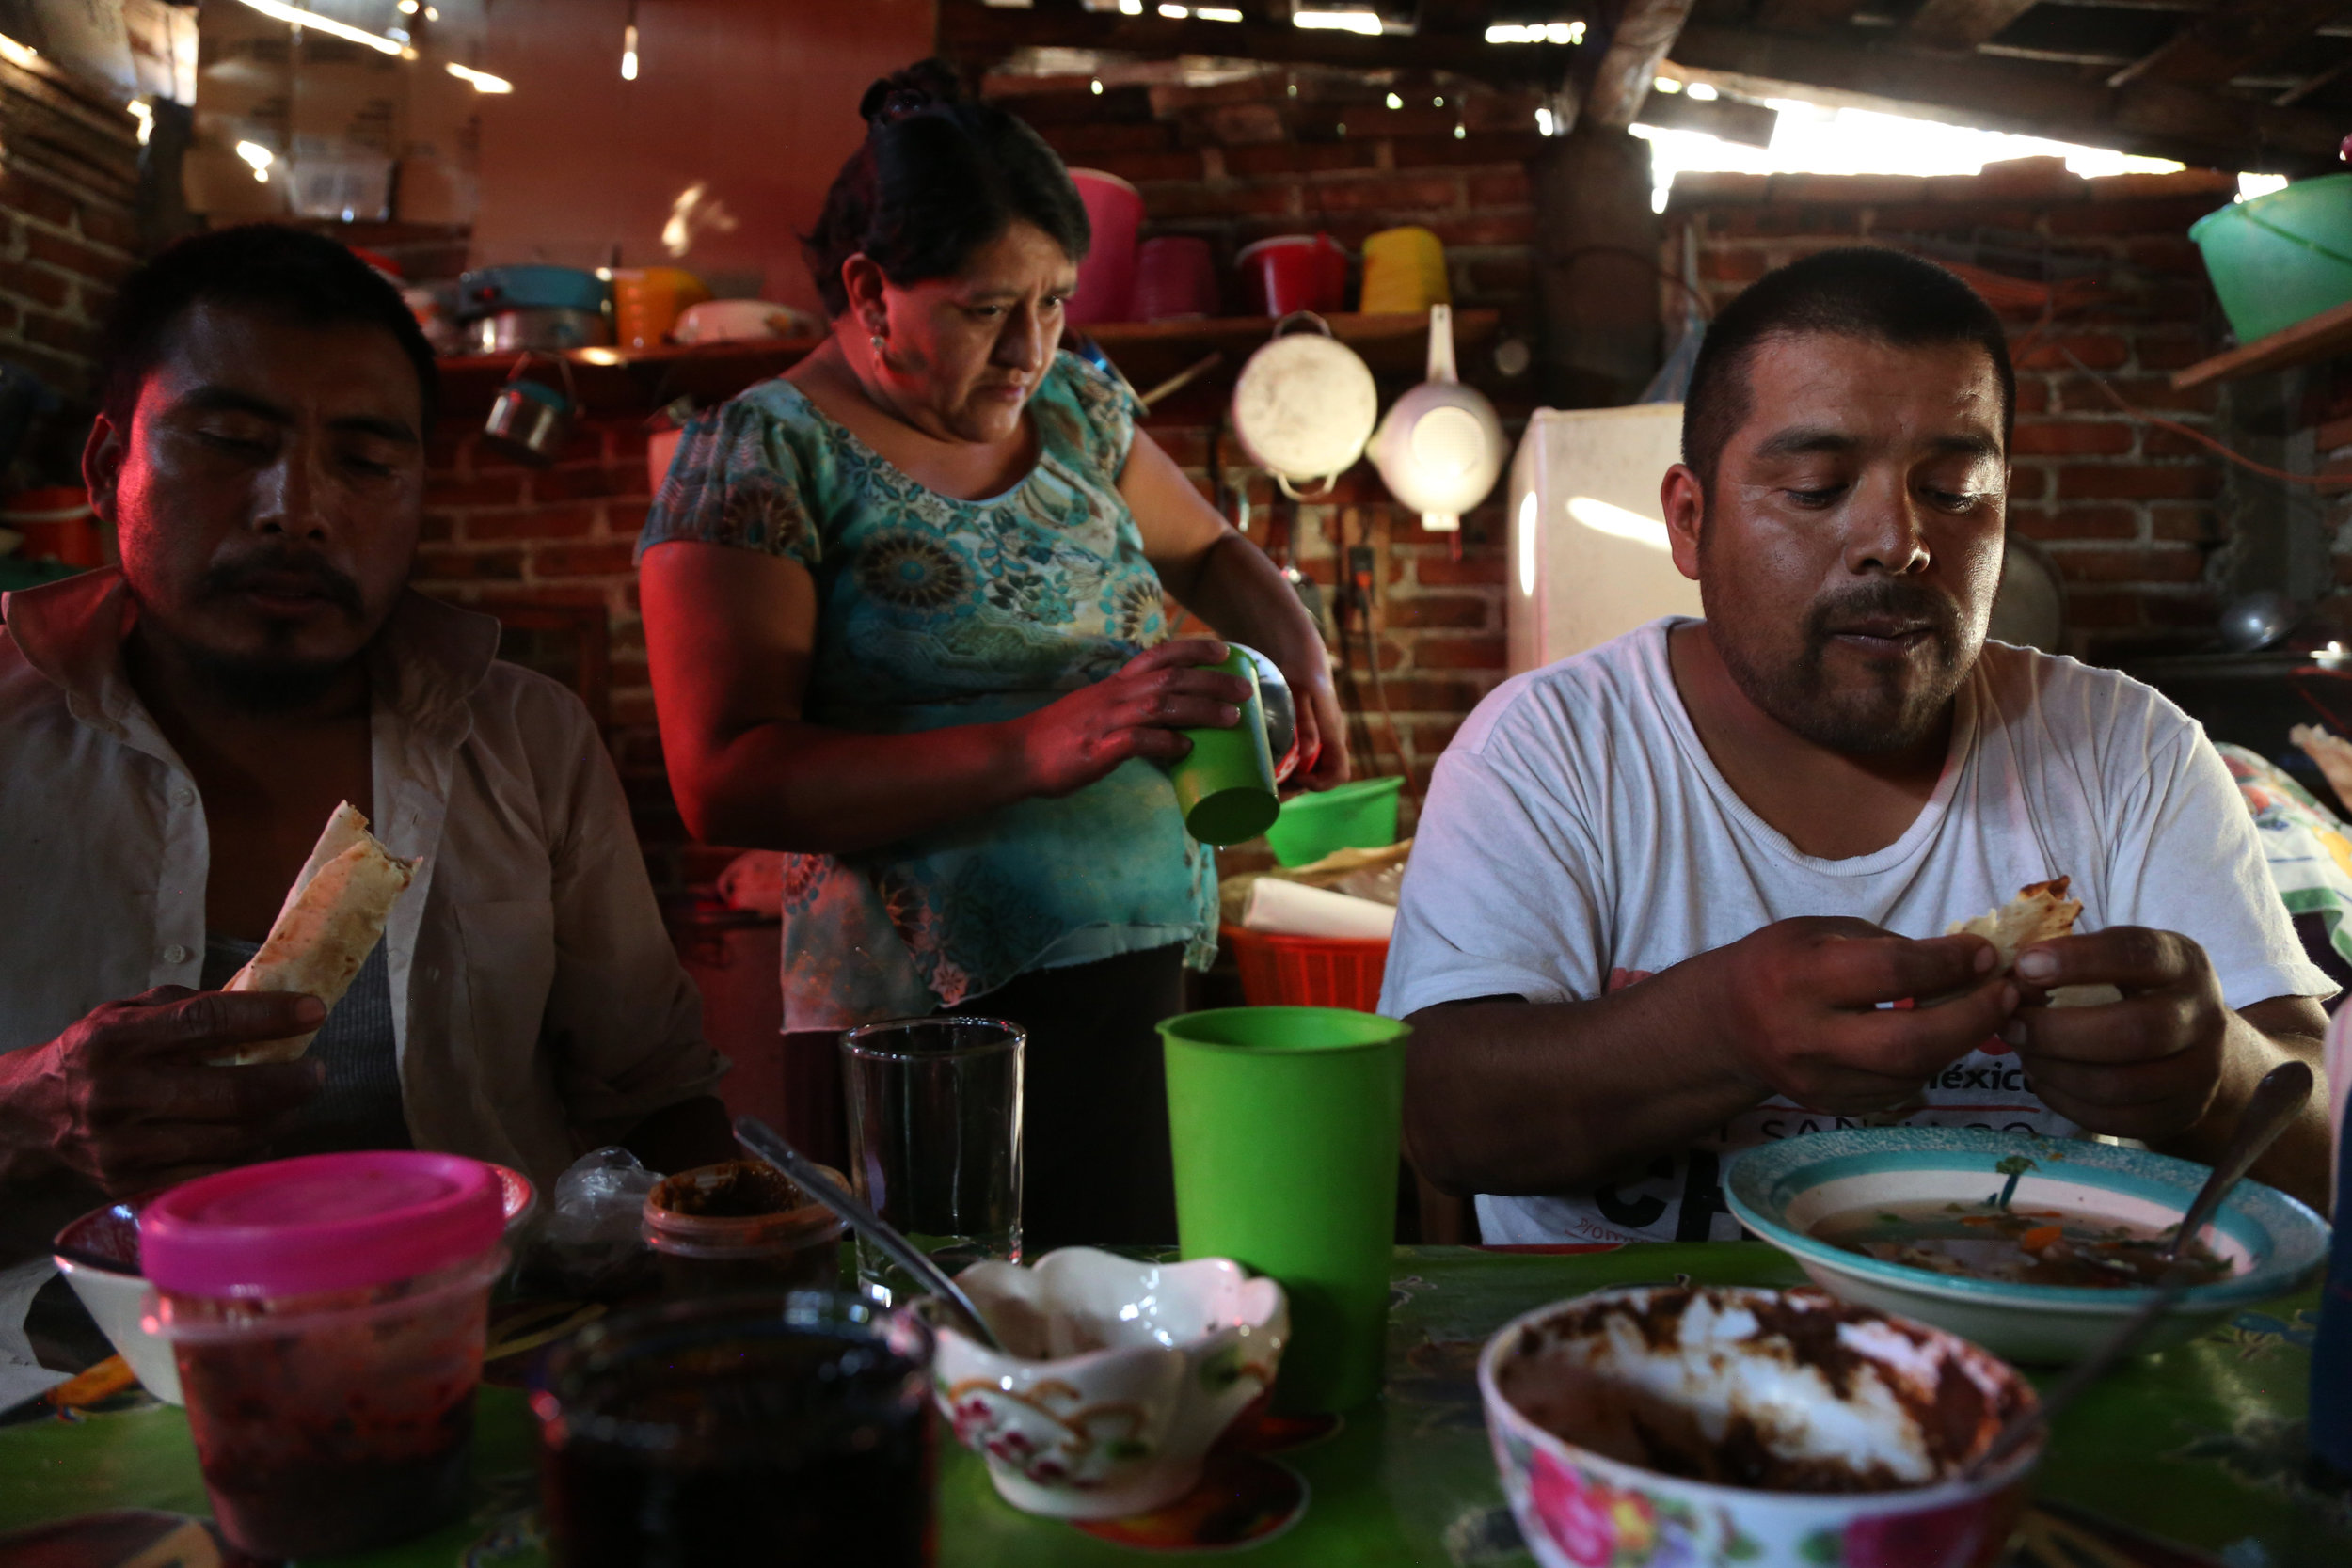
x=1768 y=1395
x=1122 y=1375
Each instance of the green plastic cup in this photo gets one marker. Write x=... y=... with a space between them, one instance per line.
x=1284 y=1123
x=1225 y=784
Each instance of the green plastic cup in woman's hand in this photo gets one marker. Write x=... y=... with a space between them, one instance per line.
x=1225 y=784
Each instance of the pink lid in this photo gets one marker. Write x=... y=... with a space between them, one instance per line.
x=326 y=1221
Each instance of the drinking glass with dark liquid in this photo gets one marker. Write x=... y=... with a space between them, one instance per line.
x=789 y=1427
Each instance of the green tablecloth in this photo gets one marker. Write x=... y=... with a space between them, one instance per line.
x=2201 y=1444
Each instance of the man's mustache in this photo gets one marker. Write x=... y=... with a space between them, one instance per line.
x=1906 y=602
x=283 y=573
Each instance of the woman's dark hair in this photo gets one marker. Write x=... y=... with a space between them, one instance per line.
x=306 y=278
x=1859 y=292
x=939 y=177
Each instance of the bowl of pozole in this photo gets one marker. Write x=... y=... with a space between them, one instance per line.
x=2035 y=1248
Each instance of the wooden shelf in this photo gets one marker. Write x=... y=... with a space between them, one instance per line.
x=619 y=381
x=2320 y=337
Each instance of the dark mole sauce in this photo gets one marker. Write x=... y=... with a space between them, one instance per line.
x=1595 y=1411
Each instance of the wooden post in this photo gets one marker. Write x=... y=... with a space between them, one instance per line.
x=1595 y=266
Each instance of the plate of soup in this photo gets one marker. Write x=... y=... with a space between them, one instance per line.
x=2036 y=1248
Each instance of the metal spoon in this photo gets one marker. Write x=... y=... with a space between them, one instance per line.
x=2274 y=1102
x=770 y=1144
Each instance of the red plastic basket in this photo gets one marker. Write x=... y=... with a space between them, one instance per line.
x=1309 y=972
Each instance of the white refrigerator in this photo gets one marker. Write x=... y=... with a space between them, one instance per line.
x=1588 y=557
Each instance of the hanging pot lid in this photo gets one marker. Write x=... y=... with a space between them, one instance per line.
x=1304 y=405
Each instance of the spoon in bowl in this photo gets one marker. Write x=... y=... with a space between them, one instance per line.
x=2274 y=1102
x=770 y=1144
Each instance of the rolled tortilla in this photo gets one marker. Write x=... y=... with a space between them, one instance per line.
x=332 y=919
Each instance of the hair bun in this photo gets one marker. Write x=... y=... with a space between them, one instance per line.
x=928 y=84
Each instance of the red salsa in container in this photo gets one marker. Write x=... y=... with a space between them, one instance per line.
x=327 y=1316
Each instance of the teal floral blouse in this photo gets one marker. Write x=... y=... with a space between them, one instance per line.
x=934 y=611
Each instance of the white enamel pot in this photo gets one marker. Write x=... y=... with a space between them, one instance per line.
x=1304 y=406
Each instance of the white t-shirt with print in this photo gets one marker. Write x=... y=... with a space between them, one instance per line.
x=1577 y=838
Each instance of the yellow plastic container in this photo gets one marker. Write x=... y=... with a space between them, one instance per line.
x=1405 y=271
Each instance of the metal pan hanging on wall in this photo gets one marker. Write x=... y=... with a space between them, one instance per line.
x=1304 y=406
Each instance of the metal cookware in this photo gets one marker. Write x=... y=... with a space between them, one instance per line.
x=486 y=290
x=529 y=419
x=536 y=328
x=1304 y=405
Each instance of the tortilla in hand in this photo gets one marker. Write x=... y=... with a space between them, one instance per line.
x=333 y=917
x=2040 y=913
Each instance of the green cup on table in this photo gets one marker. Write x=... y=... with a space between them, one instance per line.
x=1225 y=784
x=1284 y=1124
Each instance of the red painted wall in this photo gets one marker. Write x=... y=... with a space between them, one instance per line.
x=756 y=99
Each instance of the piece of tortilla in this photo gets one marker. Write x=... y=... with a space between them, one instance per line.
x=332 y=919
x=2040 y=913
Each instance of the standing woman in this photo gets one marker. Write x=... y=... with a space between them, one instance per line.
x=904 y=611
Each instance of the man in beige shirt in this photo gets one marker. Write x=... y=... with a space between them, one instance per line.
x=175 y=734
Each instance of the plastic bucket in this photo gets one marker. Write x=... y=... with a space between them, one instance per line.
x=1358 y=816
x=1280 y=969
x=1404 y=273
x=1293 y=272
x=2282 y=257
x=58 y=525
x=647 y=301
x=1175 y=276
x=1106 y=278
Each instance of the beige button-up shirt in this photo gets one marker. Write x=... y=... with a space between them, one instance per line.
x=538 y=1006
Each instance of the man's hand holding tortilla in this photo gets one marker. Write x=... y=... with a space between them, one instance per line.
x=1810 y=1015
x=2145 y=1066
x=126 y=1098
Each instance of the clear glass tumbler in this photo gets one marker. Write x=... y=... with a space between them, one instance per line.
x=935 y=1137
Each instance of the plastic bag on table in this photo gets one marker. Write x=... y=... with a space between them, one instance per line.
x=591 y=1240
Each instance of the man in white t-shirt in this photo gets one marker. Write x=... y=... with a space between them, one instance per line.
x=1680 y=894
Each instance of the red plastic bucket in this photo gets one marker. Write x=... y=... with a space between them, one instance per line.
x=1293 y=272
x=1106 y=278
x=1175 y=276
x=58 y=525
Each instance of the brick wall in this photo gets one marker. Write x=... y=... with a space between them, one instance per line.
x=2140 y=521
x=68 y=232
x=2136 y=518
x=1301 y=151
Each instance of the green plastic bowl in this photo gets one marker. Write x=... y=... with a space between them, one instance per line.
x=1358 y=816
x=2282 y=257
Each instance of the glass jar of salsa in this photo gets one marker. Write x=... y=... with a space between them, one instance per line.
x=772 y=1427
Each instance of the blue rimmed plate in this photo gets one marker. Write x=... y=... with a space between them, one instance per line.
x=1780 y=1191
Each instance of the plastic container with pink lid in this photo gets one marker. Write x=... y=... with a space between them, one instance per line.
x=327 y=1316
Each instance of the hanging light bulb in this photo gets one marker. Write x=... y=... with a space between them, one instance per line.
x=629 y=45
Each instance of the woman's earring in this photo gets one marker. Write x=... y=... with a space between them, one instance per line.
x=882 y=349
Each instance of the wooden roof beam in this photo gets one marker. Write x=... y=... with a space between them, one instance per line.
x=1638 y=45
x=1964 y=23
x=2156 y=119
x=2229 y=40
x=1806 y=16
x=977 y=36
